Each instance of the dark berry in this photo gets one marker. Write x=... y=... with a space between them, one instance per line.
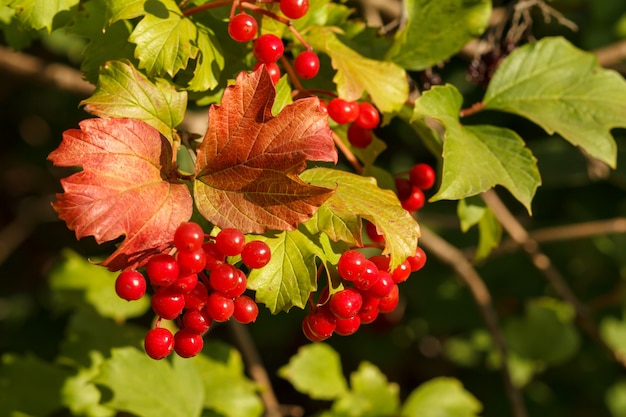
x=213 y=255
x=359 y=137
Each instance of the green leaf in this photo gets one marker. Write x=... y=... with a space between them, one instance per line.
x=357 y=74
x=16 y=36
x=441 y=397
x=473 y=211
x=124 y=9
x=290 y=276
x=149 y=388
x=283 y=95
x=477 y=158
x=316 y=371
x=123 y=91
x=226 y=388
x=563 y=90
x=21 y=377
x=81 y=396
x=165 y=39
x=545 y=333
x=436 y=30
x=616 y=398
x=613 y=331
x=40 y=14
x=75 y=281
x=360 y=196
x=370 y=395
x=209 y=62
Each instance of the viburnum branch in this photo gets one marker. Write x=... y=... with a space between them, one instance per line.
x=257 y=371
x=456 y=260
x=280 y=19
x=543 y=263
x=206 y=6
x=292 y=75
x=348 y=154
x=473 y=109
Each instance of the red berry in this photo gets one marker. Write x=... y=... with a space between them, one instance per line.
x=197 y=321
x=273 y=71
x=345 y=303
x=368 y=116
x=351 y=265
x=306 y=65
x=188 y=237
x=130 y=285
x=383 y=286
x=389 y=303
x=162 y=269
x=402 y=272
x=256 y=254
x=197 y=298
x=321 y=323
x=159 y=343
x=368 y=316
x=213 y=255
x=185 y=283
x=242 y=27
x=220 y=307
x=414 y=201
x=381 y=262
x=403 y=188
x=418 y=260
x=359 y=137
x=368 y=277
x=268 y=48
x=191 y=262
x=372 y=233
x=240 y=286
x=230 y=241
x=342 y=111
x=187 y=343
x=294 y=9
x=224 y=278
x=306 y=329
x=167 y=303
x=346 y=327
x=246 y=310
x=422 y=176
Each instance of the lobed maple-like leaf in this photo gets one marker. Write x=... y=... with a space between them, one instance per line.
x=125 y=187
x=248 y=163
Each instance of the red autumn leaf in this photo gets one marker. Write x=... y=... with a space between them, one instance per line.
x=124 y=188
x=248 y=163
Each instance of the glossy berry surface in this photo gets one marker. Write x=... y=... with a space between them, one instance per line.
x=197 y=321
x=351 y=264
x=389 y=303
x=359 y=137
x=191 y=262
x=159 y=343
x=188 y=237
x=167 y=303
x=268 y=48
x=272 y=69
x=345 y=303
x=321 y=323
x=418 y=260
x=220 y=307
x=162 y=269
x=187 y=344
x=383 y=286
x=368 y=277
x=368 y=116
x=130 y=285
x=256 y=254
x=402 y=272
x=414 y=201
x=197 y=298
x=294 y=9
x=246 y=309
x=224 y=278
x=342 y=111
x=242 y=27
x=422 y=176
x=306 y=65
x=346 y=327
x=230 y=241
x=185 y=283
x=372 y=233
x=213 y=256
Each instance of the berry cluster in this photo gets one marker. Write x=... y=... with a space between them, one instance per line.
x=411 y=190
x=268 y=48
x=195 y=286
x=362 y=117
x=369 y=289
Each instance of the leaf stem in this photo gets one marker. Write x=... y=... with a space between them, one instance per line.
x=348 y=154
x=206 y=6
x=475 y=108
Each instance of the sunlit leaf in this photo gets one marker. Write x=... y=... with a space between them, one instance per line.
x=441 y=397
x=40 y=14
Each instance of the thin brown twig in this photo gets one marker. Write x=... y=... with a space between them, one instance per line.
x=255 y=368
x=348 y=154
x=454 y=258
x=544 y=265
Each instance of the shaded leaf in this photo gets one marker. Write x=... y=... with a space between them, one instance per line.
x=423 y=43
x=360 y=196
x=474 y=211
x=290 y=276
x=76 y=281
x=563 y=90
x=81 y=395
x=123 y=92
x=441 y=397
x=40 y=14
x=316 y=371
x=150 y=388
x=477 y=158
x=124 y=188
x=248 y=163
x=165 y=39
x=209 y=62
x=124 y=9
x=357 y=74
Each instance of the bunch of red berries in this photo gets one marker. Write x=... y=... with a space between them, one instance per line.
x=195 y=286
x=362 y=117
x=411 y=190
x=369 y=289
x=269 y=48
